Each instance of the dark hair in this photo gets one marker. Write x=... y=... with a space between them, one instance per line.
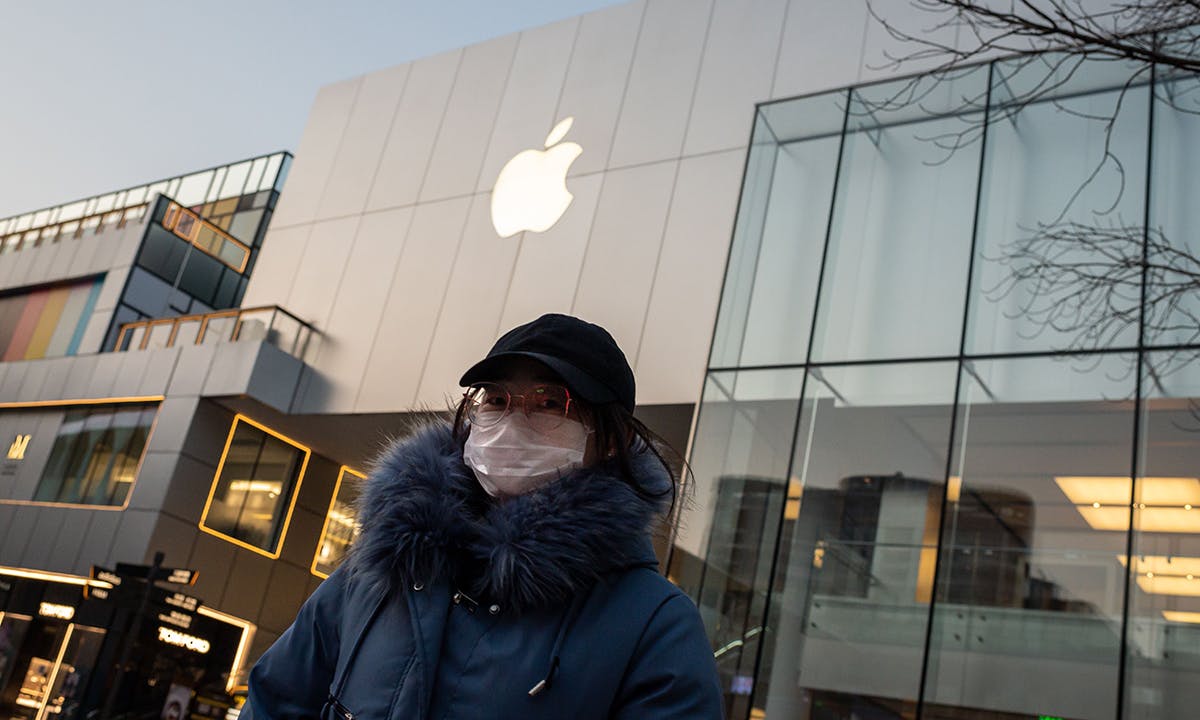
x=619 y=437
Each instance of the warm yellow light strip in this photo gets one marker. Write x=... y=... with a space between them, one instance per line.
x=80 y=401
x=1180 y=616
x=345 y=470
x=53 y=577
x=239 y=657
x=49 y=687
x=287 y=521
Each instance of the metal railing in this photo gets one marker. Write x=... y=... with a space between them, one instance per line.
x=269 y=323
x=53 y=232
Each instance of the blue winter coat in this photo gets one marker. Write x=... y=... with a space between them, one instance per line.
x=451 y=606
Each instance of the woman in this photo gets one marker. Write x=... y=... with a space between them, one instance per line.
x=504 y=568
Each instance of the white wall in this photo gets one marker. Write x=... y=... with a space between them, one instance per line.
x=383 y=240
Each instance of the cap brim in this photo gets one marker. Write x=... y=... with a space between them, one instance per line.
x=577 y=380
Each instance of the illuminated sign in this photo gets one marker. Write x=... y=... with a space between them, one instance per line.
x=107 y=576
x=531 y=190
x=54 y=610
x=177 y=618
x=181 y=576
x=16 y=451
x=186 y=603
x=183 y=640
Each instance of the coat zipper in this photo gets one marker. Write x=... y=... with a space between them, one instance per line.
x=340 y=709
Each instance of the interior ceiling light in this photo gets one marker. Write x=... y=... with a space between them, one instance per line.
x=1165 y=565
x=1163 y=504
x=1181 y=616
x=1169 y=585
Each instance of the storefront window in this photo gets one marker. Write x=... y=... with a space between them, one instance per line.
x=944 y=462
x=254 y=490
x=96 y=454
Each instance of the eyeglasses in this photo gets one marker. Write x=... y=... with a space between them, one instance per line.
x=545 y=406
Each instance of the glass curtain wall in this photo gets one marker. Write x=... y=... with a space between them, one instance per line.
x=944 y=463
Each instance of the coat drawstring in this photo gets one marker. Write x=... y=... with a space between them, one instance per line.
x=564 y=627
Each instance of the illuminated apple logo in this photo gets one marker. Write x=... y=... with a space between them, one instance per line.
x=531 y=191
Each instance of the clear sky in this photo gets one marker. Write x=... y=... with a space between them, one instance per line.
x=100 y=95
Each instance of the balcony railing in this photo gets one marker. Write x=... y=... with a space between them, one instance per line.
x=271 y=323
x=53 y=232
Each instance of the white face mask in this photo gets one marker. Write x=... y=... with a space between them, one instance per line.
x=511 y=458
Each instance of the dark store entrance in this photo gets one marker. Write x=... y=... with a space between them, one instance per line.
x=61 y=650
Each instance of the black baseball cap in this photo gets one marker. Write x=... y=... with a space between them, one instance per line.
x=583 y=354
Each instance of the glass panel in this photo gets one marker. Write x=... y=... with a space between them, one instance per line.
x=726 y=538
x=789 y=260
x=255 y=325
x=743 y=256
x=1173 y=311
x=275 y=173
x=219 y=329
x=254 y=181
x=104 y=203
x=1163 y=678
x=252 y=492
x=235 y=180
x=341 y=524
x=193 y=188
x=160 y=334
x=806 y=118
x=74 y=211
x=158 y=188
x=134 y=338
x=1058 y=254
x=66 y=694
x=1030 y=591
x=187 y=332
x=96 y=453
x=244 y=226
x=12 y=628
x=899 y=245
x=287 y=334
x=214 y=189
x=859 y=541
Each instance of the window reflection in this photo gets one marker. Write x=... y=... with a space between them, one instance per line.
x=341 y=523
x=254 y=490
x=96 y=454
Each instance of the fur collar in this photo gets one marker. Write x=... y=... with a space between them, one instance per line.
x=425 y=518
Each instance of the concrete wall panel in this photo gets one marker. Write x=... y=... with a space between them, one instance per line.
x=410 y=315
x=470 y=115
x=320 y=270
x=316 y=153
x=362 y=144
x=662 y=82
x=673 y=353
x=618 y=271
x=276 y=267
x=735 y=73
x=547 y=268
x=413 y=131
x=528 y=109
x=596 y=80
x=358 y=306
x=468 y=321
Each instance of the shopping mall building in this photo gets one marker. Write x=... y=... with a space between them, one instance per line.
x=917 y=334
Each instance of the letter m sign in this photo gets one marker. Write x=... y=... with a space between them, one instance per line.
x=16 y=451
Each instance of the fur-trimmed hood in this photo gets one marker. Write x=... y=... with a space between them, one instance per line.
x=424 y=518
